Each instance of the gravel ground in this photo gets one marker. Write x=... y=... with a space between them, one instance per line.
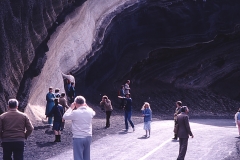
x=40 y=145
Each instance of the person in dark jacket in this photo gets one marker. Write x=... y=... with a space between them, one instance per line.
x=71 y=92
x=128 y=111
x=57 y=112
x=63 y=102
x=177 y=111
x=50 y=103
x=183 y=132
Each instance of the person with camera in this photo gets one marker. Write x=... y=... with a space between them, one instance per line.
x=81 y=115
x=107 y=107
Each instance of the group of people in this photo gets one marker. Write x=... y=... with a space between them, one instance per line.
x=81 y=116
x=57 y=104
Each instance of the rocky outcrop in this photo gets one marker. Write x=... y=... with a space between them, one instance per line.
x=171 y=50
x=25 y=29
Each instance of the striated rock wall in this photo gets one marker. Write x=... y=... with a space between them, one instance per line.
x=25 y=29
x=170 y=49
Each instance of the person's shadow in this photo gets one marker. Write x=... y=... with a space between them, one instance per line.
x=41 y=127
x=45 y=144
x=143 y=137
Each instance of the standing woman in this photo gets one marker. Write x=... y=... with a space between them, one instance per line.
x=147 y=114
x=57 y=111
x=106 y=103
x=237 y=120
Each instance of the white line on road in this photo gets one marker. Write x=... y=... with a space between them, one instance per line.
x=154 y=150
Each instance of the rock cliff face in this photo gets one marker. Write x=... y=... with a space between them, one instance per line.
x=170 y=50
x=26 y=26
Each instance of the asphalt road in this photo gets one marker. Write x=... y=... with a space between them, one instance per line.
x=214 y=139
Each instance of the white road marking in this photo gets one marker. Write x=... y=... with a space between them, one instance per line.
x=154 y=150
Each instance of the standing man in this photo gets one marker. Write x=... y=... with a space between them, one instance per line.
x=15 y=127
x=126 y=87
x=50 y=103
x=177 y=111
x=184 y=131
x=81 y=115
x=128 y=111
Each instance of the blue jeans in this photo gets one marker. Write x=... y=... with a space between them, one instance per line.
x=81 y=148
x=15 y=148
x=127 y=117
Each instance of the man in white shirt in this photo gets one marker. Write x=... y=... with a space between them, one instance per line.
x=81 y=115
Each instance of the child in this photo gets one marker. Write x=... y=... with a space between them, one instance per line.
x=147 y=114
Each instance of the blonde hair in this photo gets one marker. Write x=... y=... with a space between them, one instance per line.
x=145 y=103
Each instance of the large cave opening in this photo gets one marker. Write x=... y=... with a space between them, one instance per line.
x=179 y=50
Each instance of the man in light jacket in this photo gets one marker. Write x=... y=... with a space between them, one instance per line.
x=184 y=131
x=81 y=115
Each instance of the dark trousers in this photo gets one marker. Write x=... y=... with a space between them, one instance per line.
x=175 y=134
x=15 y=148
x=128 y=115
x=108 y=114
x=183 y=143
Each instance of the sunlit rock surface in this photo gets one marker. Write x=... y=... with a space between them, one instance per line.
x=170 y=50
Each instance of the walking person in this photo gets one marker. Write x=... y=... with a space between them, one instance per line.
x=177 y=111
x=57 y=112
x=183 y=132
x=128 y=111
x=147 y=114
x=15 y=128
x=50 y=103
x=106 y=104
x=81 y=115
x=237 y=120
